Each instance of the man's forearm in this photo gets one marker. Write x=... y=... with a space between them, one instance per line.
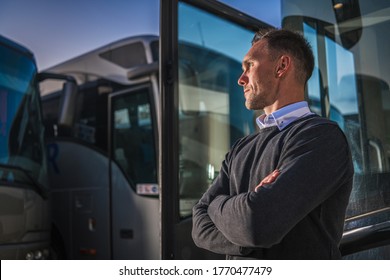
x=207 y=236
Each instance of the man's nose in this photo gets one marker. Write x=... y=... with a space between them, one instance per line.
x=242 y=80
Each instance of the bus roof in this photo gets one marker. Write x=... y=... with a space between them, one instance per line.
x=112 y=61
x=17 y=47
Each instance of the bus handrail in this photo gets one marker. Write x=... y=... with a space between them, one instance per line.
x=378 y=151
x=363 y=238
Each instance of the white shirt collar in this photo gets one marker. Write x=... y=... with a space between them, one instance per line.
x=284 y=116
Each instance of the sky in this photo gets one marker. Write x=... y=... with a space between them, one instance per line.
x=57 y=30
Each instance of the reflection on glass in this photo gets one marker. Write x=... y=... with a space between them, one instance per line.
x=341 y=82
x=21 y=133
x=212 y=113
x=355 y=88
x=314 y=83
x=133 y=143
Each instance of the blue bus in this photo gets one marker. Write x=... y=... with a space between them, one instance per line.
x=24 y=206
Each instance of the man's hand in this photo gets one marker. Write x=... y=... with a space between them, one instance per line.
x=268 y=179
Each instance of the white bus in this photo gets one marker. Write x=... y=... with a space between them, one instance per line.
x=104 y=163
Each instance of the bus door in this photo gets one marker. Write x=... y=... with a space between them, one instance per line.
x=79 y=175
x=202 y=108
x=133 y=174
x=350 y=85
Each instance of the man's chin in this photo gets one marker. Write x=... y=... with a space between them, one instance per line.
x=251 y=106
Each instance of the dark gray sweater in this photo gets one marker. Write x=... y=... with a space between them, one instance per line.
x=300 y=215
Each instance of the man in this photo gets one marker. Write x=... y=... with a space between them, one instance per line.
x=282 y=192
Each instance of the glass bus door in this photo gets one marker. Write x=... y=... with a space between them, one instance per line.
x=203 y=108
x=134 y=203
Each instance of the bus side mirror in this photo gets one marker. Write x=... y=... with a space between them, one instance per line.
x=68 y=95
x=67 y=101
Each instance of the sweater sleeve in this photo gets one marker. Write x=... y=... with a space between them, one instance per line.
x=204 y=232
x=314 y=163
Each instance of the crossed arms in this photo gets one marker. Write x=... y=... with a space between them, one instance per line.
x=235 y=224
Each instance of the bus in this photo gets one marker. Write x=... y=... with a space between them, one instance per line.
x=24 y=207
x=350 y=85
x=104 y=165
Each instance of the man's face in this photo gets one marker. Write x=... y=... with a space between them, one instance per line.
x=258 y=78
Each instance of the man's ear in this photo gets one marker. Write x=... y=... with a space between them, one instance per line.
x=284 y=63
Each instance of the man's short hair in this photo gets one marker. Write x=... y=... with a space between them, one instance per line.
x=287 y=41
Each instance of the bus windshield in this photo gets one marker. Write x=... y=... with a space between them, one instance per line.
x=21 y=132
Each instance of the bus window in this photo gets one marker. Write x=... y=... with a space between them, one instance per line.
x=127 y=56
x=133 y=142
x=382 y=253
x=212 y=114
x=332 y=92
x=351 y=87
x=50 y=108
x=314 y=84
x=91 y=123
x=342 y=89
x=358 y=103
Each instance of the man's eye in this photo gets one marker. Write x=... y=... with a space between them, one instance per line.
x=247 y=66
